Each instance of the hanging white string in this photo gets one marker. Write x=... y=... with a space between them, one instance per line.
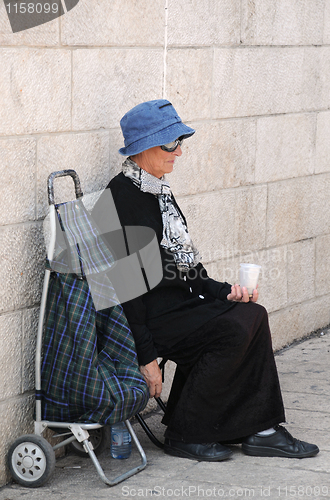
x=63 y=6
x=165 y=50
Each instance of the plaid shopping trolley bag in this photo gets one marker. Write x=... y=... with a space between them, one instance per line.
x=86 y=369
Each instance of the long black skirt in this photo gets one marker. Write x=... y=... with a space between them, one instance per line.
x=226 y=384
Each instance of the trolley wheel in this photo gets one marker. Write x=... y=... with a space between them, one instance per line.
x=100 y=439
x=31 y=460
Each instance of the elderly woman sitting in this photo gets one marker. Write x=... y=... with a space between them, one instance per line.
x=226 y=387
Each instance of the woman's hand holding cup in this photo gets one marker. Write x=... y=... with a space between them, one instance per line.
x=241 y=294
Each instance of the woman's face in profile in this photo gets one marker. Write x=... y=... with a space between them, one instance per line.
x=157 y=162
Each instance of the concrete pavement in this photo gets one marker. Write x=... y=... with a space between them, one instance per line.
x=303 y=370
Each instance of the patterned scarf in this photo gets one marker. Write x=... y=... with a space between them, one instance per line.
x=176 y=238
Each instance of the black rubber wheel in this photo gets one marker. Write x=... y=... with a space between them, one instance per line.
x=100 y=439
x=31 y=460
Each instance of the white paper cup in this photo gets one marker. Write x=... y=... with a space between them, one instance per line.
x=248 y=276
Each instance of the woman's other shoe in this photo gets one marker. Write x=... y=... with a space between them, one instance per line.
x=279 y=444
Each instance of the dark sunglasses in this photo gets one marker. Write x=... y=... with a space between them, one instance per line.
x=171 y=146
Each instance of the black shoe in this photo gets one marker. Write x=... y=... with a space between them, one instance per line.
x=212 y=452
x=279 y=444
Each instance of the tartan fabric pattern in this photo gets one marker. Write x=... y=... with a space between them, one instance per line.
x=86 y=250
x=89 y=371
x=80 y=249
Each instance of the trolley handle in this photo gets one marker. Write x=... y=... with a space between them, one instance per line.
x=63 y=173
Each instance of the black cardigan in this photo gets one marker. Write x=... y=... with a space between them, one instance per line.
x=181 y=302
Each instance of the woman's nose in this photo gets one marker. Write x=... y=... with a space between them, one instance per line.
x=178 y=151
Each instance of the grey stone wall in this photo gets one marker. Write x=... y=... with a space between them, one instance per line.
x=253 y=78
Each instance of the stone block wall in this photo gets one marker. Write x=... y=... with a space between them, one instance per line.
x=251 y=76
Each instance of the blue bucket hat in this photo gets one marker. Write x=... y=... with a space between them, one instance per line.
x=150 y=124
